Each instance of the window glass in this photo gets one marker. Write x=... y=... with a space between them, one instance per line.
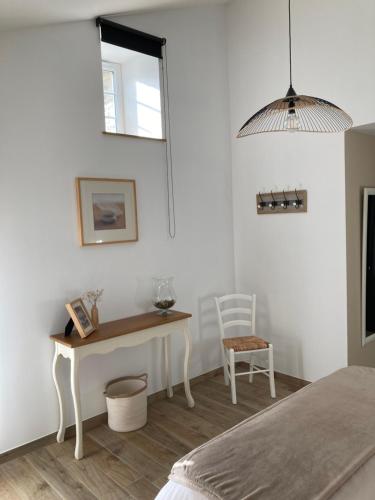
x=109 y=106
x=108 y=81
x=132 y=95
x=110 y=125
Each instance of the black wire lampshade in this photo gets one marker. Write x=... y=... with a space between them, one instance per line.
x=297 y=113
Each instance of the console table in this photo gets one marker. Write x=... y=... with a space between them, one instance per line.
x=127 y=332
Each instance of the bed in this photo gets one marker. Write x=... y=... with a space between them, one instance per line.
x=318 y=443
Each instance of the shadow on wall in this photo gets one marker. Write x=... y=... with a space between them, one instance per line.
x=58 y=315
x=209 y=334
x=143 y=294
x=286 y=345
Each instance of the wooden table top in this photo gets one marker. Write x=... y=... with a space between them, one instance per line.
x=120 y=327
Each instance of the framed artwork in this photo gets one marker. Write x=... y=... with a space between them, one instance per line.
x=107 y=211
x=80 y=317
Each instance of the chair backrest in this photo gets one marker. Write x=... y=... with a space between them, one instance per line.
x=229 y=316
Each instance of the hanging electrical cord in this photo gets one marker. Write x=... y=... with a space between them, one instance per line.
x=168 y=149
x=296 y=112
x=290 y=47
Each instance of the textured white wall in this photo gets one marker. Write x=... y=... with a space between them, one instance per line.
x=296 y=263
x=50 y=125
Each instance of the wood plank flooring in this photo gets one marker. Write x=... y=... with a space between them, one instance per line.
x=136 y=465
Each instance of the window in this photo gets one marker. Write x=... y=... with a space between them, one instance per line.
x=132 y=76
x=113 y=97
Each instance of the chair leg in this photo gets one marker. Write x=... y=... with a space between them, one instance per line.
x=251 y=366
x=232 y=376
x=225 y=368
x=271 y=372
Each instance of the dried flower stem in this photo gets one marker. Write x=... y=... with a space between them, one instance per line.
x=93 y=296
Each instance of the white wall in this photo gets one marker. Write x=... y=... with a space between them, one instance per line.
x=50 y=126
x=296 y=263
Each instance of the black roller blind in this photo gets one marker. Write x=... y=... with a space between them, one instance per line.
x=129 y=38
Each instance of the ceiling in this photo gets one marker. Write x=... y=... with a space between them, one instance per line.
x=25 y=13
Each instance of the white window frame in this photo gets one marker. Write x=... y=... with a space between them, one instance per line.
x=115 y=68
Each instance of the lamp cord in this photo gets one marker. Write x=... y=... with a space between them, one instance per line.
x=168 y=150
x=290 y=49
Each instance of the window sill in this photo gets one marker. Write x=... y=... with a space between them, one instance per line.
x=134 y=136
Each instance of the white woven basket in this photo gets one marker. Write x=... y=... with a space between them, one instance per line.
x=127 y=403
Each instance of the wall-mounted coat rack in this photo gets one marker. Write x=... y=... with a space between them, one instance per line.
x=284 y=202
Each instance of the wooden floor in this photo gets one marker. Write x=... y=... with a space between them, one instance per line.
x=136 y=465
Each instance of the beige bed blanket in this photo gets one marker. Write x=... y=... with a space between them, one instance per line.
x=302 y=448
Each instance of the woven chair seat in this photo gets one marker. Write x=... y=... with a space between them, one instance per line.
x=249 y=343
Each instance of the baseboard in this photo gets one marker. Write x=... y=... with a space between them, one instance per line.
x=93 y=422
x=298 y=383
x=193 y=381
x=70 y=432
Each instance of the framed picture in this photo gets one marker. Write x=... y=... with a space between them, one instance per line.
x=80 y=317
x=107 y=211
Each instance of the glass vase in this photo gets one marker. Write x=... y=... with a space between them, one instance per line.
x=164 y=296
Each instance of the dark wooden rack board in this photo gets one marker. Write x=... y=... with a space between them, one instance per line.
x=271 y=203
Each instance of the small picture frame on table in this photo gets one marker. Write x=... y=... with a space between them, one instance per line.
x=80 y=317
x=107 y=211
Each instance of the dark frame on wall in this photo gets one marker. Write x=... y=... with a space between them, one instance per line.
x=368 y=266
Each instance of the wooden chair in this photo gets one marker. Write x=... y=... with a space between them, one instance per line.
x=233 y=347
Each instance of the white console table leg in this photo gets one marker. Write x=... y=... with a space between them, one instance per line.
x=61 y=431
x=189 y=397
x=74 y=384
x=167 y=365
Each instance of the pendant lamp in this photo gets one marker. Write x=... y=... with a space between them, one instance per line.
x=297 y=113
